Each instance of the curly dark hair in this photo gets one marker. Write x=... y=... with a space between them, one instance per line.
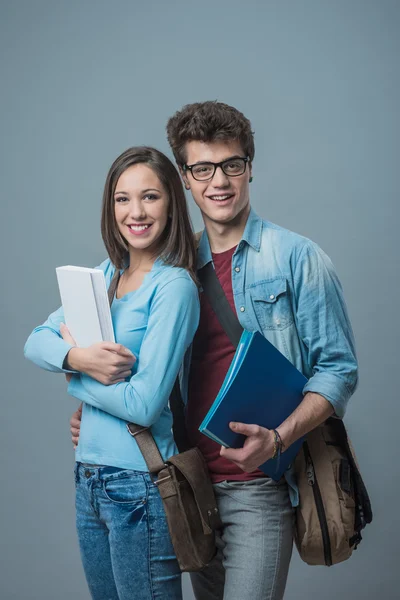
x=208 y=122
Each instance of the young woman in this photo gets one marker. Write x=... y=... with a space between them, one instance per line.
x=123 y=534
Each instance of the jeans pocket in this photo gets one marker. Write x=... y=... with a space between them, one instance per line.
x=128 y=489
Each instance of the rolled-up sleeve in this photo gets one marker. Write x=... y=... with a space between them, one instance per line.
x=173 y=320
x=324 y=328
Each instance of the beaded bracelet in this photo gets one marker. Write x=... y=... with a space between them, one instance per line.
x=278 y=446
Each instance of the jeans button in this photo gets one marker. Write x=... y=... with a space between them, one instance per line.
x=87 y=474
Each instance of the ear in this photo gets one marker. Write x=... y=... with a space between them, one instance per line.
x=184 y=178
x=250 y=172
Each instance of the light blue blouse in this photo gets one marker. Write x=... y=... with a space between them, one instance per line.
x=157 y=323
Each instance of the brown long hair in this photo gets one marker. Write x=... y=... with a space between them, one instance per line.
x=176 y=244
x=208 y=122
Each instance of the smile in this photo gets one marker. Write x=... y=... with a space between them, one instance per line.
x=220 y=197
x=138 y=229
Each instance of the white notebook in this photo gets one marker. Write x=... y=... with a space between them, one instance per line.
x=85 y=302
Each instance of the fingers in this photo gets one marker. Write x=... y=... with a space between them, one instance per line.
x=66 y=335
x=245 y=429
x=125 y=374
x=239 y=458
x=75 y=420
x=117 y=348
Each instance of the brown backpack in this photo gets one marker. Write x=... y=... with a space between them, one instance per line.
x=334 y=504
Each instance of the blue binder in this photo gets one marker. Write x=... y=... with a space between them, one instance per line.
x=261 y=387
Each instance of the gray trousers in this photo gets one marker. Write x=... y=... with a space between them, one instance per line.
x=254 y=545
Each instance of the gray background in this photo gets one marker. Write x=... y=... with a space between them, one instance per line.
x=82 y=81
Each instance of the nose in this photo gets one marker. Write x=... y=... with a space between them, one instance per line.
x=137 y=210
x=220 y=179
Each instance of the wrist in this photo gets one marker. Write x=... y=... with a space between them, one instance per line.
x=279 y=445
x=75 y=359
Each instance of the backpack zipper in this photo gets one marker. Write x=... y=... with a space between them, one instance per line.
x=310 y=471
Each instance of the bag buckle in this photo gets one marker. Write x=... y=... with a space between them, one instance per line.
x=158 y=481
x=135 y=433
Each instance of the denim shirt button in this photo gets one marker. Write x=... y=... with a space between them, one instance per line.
x=242 y=309
x=271 y=297
x=237 y=269
x=87 y=474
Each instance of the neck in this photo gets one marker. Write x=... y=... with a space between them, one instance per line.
x=223 y=236
x=140 y=261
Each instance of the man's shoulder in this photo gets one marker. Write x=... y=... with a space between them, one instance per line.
x=284 y=239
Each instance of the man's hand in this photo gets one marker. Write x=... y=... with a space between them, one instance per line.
x=258 y=447
x=75 y=426
x=106 y=362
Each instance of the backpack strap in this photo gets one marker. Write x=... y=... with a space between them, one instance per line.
x=220 y=304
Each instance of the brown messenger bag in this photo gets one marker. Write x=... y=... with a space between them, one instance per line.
x=184 y=485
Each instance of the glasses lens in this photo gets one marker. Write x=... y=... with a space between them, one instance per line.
x=234 y=167
x=203 y=171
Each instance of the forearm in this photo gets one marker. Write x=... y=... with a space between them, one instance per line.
x=120 y=400
x=311 y=412
x=47 y=350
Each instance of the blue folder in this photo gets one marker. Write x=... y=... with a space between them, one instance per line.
x=261 y=387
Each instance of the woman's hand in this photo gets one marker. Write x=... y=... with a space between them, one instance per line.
x=106 y=362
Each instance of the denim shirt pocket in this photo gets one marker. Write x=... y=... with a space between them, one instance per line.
x=271 y=303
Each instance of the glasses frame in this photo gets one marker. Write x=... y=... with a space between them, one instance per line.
x=246 y=159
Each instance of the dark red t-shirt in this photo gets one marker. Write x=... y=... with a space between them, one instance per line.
x=211 y=356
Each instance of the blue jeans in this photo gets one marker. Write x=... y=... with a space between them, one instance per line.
x=254 y=545
x=123 y=534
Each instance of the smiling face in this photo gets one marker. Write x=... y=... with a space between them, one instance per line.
x=223 y=199
x=141 y=209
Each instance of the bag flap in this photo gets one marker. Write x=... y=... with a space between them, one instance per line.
x=192 y=466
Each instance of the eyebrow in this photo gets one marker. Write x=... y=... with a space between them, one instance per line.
x=143 y=191
x=201 y=162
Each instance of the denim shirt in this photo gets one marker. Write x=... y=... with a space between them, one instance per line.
x=285 y=287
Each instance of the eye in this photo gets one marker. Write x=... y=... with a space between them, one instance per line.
x=202 y=169
x=120 y=199
x=234 y=166
x=150 y=197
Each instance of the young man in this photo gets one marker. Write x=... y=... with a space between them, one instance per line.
x=284 y=286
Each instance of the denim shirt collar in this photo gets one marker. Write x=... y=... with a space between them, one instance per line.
x=251 y=235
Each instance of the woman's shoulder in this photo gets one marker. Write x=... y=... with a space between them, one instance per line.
x=175 y=278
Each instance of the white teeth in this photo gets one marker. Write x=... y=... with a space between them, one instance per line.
x=138 y=227
x=220 y=197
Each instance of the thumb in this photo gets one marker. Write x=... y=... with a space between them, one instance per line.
x=244 y=428
x=65 y=334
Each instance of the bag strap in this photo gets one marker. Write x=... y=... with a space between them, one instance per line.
x=226 y=316
x=143 y=435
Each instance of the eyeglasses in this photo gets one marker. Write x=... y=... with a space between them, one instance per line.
x=204 y=171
